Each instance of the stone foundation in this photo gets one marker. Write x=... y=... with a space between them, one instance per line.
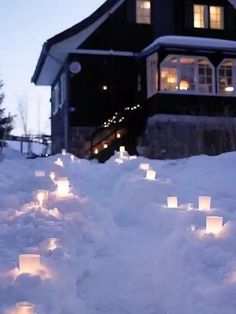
x=178 y=136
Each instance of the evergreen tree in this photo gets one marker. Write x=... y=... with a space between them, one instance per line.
x=5 y=121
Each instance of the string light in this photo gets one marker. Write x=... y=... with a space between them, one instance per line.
x=119 y=117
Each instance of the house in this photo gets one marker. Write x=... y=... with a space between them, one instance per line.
x=152 y=74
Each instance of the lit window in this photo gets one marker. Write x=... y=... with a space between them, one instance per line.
x=200 y=16
x=187 y=75
x=227 y=77
x=143 y=11
x=216 y=17
x=205 y=75
x=208 y=16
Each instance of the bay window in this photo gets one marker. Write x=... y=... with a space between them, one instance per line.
x=185 y=74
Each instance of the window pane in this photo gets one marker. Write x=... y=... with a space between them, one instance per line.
x=169 y=79
x=226 y=77
x=205 y=76
x=216 y=17
x=143 y=11
x=200 y=16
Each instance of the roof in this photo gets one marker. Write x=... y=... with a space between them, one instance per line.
x=233 y=2
x=190 y=43
x=58 y=47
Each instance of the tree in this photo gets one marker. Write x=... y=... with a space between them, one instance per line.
x=5 y=121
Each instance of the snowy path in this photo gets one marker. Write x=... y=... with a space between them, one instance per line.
x=121 y=250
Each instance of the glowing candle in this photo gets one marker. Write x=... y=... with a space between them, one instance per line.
x=172 y=202
x=59 y=162
x=151 y=175
x=42 y=197
x=72 y=157
x=25 y=308
x=53 y=243
x=204 y=202
x=144 y=166
x=122 y=149
x=214 y=224
x=96 y=151
x=63 y=151
x=63 y=186
x=39 y=173
x=52 y=175
x=29 y=263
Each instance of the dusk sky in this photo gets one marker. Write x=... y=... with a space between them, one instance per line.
x=25 y=26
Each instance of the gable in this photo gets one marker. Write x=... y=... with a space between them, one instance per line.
x=57 y=48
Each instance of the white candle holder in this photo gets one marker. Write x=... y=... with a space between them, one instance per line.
x=204 y=202
x=63 y=151
x=25 y=308
x=151 y=175
x=72 y=158
x=29 y=264
x=52 y=176
x=144 y=166
x=53 y=244
x=122 y=149
x=172 y=202
x=59 y=162
x=63 y=187
x=42 y=197
x=214 y=224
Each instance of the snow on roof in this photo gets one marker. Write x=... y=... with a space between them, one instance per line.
x=233 y=2
x=191 y=42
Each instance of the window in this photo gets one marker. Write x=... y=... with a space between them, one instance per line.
x=208 y=16
x=216 y=17
x=227 y=77
x=152 y=75
x=200 y=16
x=143 y=11
x=187 y=75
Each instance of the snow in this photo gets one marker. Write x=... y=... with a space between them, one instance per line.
x=121 y=250
x=192 y=42
x=233 y=2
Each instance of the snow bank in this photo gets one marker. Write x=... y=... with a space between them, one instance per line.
x=121 y=250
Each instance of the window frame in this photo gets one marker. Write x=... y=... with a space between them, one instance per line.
x=196 y=76
x=207 y=19
x=140 y=17
x=233 y=94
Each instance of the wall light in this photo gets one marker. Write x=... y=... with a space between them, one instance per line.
x=151 y=175
x=118 y=135
x=172 y=202
x=214 y=224
x=204 y=202
x=29 y=264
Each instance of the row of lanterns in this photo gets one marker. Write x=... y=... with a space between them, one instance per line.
x=31 y=263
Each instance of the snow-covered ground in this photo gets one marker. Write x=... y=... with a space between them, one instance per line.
x=120 y=250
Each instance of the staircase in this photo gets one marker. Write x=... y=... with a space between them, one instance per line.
x=121 y=130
